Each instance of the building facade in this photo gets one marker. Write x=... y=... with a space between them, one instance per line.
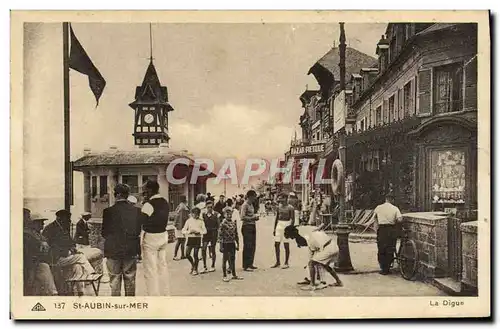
x=410 y=118
x=317 y=121
x=415 y=122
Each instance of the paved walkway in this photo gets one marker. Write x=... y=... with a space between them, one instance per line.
x=282 y=282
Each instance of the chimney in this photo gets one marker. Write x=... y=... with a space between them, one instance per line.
x=342 y=47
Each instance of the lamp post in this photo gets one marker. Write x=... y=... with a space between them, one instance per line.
x=343 y=229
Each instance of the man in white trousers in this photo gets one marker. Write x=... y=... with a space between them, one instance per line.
x=155 y=239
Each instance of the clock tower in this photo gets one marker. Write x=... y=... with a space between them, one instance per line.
x=151 y=109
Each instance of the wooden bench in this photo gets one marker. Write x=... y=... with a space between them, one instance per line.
x=93 y=279
x=65 y=287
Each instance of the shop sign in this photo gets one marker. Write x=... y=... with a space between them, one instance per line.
x=339 y=111
x=305 y=150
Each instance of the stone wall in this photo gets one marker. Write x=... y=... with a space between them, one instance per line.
x=429 y=231
x=469 y=255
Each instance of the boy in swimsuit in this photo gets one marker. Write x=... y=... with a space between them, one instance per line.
x=285 y=217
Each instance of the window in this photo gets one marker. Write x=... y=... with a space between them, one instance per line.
x=378 y=118
x=363 y=124
x=103 y=185
x=94 y=186
x=408 y=99
x=448 y=88
x=132 y=181
x=392 y=50
x=175 y=191
x=392 y=111
x=152 y=140
x=145 y=178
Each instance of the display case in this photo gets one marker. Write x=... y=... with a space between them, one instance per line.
x=448 y=189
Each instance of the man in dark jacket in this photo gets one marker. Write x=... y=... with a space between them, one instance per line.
x=121 y=227
x=221 y=204
x=83 y=230
x=63 y=250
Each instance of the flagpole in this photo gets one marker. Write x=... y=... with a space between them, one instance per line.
x=68 y=174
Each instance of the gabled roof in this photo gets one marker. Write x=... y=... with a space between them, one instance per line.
x=151 y=91
x=307 y=95
x=354 y=61
x=437 y=27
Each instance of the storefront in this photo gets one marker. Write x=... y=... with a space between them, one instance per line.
x=302 y=153
x=382 y=160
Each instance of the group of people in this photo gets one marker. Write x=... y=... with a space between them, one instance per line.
x=131 y=229
x=51 y=255
x=209 y=223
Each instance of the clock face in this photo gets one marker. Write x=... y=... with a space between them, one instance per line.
x=149 y=118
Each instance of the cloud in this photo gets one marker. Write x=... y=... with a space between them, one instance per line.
x=234 y=131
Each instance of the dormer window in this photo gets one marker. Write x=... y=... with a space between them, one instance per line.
x=392 y=49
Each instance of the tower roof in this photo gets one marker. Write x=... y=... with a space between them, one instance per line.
x=151 y=91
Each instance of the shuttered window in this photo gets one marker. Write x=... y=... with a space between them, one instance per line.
x=408 y=99
x=414 y=96
x=385 y=110
x=448 y=88
x=400 y=104
x=470 y=84
x=424 y=92
x=392 y=112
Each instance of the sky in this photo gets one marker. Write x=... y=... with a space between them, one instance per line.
x=234 y=88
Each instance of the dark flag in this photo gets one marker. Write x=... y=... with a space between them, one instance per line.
x=81 y=62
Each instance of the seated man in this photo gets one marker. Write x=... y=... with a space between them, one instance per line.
x=38 y=279
x=63 y=250
x=321 y=253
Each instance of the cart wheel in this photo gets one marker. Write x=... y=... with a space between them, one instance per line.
x=408 y=259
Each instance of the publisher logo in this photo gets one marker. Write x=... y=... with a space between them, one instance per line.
x=38 y=308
